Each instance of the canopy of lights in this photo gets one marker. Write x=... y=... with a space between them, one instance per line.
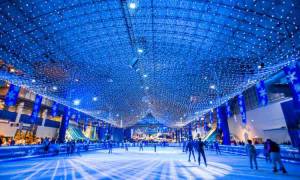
x=123 y=59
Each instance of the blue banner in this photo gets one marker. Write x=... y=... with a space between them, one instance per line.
x=211 y=119
x=85 y=124
x=293 y=77
x=12 y=95
x=241 y=101
x=64 y=124
x=36 y=108
x=228 y=109
x=205 y=126
x=219 y=116
x=54 y=109
x=77 y=116
x=262 y=93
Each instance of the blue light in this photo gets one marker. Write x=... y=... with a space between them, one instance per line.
x=76 y=102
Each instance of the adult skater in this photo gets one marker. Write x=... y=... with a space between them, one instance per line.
x=126 y=146
x=183 y=145
x=200 y=148
x=141 y=148
x=109 y=147
x=154 y=144
x=190 y=148
x=251 y=151
x=266 y=153
x=274 y=150
x=217 y=147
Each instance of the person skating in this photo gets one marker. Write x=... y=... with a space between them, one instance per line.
x=217 y=147
x=141 y=148
x=201 y=146
x=274 y=150
x=251 y=151
x=266 y=153
x=190 y=149
x=109 y=147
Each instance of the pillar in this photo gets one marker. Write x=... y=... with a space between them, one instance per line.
x=224 y=125
x=64 y=125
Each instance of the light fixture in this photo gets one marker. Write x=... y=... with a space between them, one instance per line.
x=76 y=102
x=76 y=80
x=33 y=81
x=140 y=51
x=110 y=80
x=95 y=98
x=145 y=75
x=132 y=5
x=212 y=86
x=210 y=102
x=54 y=88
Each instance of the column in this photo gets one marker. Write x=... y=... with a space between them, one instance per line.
x=64 y=125
x=224 y=125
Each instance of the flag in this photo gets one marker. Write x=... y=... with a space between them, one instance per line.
x=85 y=124
x=219 y=116
x=293 y=77
x=211 y=119
x=241 y=101
x=205 y=125
x=262 y=93
x=67 y=116
x=12 y=95
x=228 y=109
x=77 y=116
x=54 y=109
x=36 y=108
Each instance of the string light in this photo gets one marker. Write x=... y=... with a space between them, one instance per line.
x=85 y=50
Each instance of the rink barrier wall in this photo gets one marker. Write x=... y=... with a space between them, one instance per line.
x=11 y=153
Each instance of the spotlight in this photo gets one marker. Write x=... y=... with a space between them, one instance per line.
x=212 y=86
x=132 y=5
x=95 y=98
x=145 y=75
x=54 y=88
x=76 y=102
x=261 y=66
x=140 y=51
x=33 y=81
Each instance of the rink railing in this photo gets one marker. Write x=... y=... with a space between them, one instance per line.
x=286 y=152
x=13 y=152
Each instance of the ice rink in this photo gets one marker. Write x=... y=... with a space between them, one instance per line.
x=166 y=163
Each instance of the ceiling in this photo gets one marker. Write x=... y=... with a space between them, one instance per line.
x=122 y=59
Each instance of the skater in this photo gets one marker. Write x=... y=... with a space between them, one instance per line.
x=154 y=146
x=266 y=153
x=141 y=146
x=109 y=147
x=200 y=147
x=126 y=146
x=217 y=147
x=183 y=146
x=251 y=151
x=274 y=150
x=190 y=149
